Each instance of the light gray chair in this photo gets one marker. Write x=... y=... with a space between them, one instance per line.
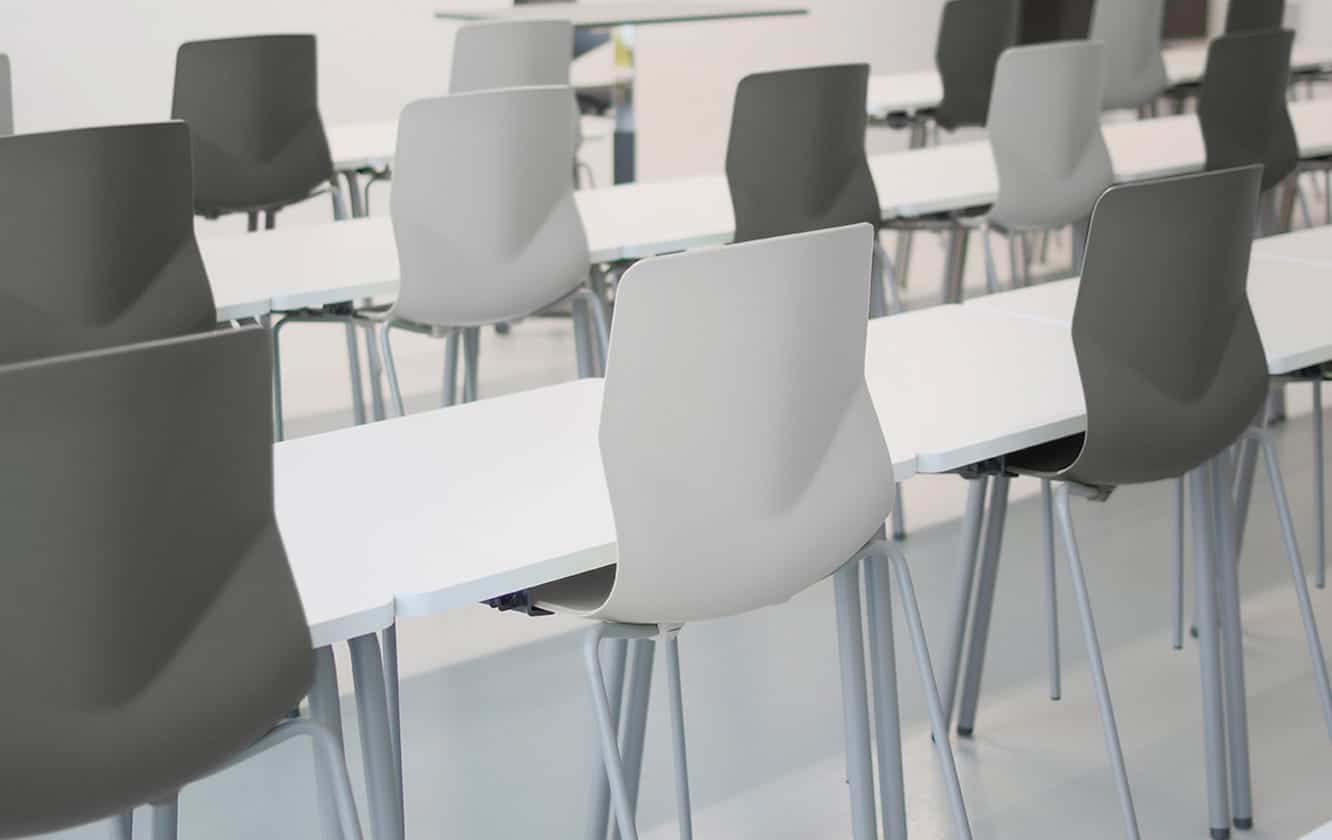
x=6 y=98
x=1135 y=73
x=486 y=225
x=155 y=632
x=743 y=466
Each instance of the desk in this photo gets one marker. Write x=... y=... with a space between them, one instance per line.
x=624 y=16
x=1312 y=246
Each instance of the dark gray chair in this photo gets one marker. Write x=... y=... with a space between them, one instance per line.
x=252 y=105
x=6 y=98
x=1242 y=106
x=1245 y=15
x=972 y=35
x=1173 y=372
x=155 y=632
x=97 y=237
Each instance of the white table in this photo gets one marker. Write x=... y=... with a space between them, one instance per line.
x=623 y=16
x=907 y=94
x=1311 y=246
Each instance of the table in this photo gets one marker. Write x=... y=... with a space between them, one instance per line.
x=907 y=94
x=1311 y=246
x=624 y=16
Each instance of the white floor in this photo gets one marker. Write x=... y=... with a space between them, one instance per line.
x=497 y=727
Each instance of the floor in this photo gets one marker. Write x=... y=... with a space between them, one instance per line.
x=498 y=729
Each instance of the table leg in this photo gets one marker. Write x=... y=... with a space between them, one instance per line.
x=622 y=98
x=355 y=196
x=385 y=801
x=326 y=710
x=955 y=265
x=980 y=626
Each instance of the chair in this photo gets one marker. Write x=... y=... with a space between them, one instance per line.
x=972 y=36
x=1043 y=21
x=1167 y=395
x=6 y=98
x=1045 y=133
x=486 y=225
x=795 y=160
x=1247 y=15
x=97 y=234
x=1135 y=73
x=510 y=53
x=1242 y=106
x=743 y=466
x=164 y=635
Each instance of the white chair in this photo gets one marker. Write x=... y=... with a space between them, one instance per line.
x=1135 y=73
x=744 y=465
x=485 y=223
x=488 y=55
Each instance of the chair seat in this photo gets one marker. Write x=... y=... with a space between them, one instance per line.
x=1048 y=459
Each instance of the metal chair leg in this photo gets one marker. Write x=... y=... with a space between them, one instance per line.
x=326 y=710
x=164 y=819
x=1051 y=588
x=980 y=624
x=279 y=424
x=938 y=722
x=886 y=276
x=354 y=371
x=392 y=684
x=899 y=515
x=610 y=751
x=395 y=390
x=683 y=813
x=1232 y=650
x=637 y=692
x=855 y=702
x=991 y=276
x=1177 y=583
x=451 y=368
x=1297 y=573
x=383 y=795
x=601 y=800
x=883 y=685
x=1320 y=509
x=968 y=546
x=471 y=347
x=1209 y=654
x=1110 y=731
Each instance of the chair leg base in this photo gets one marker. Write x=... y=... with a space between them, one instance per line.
x=1220 y=834
x=1244 y=823
x=965 y=731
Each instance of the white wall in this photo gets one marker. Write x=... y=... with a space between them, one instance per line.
x=85 y=62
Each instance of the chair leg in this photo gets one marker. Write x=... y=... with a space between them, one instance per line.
x=902 y=256
x=1232 y=649
x=1110 y=731
x=878 y=306
x=392 y=683
x=899 y=514
x=376 y=366
x=382 y=794
x=471 y=347
x=855 y=702
x=883 y=685
x=596 y=306
x=122 y=826
x=968 y=545
x=601 y=803
x=451 y=368
x=1297 y=573
x=1209 y=654
x=1014 y=261
x=335 y=195
x=354 y=370
x=682 y=810
x=164 y=819
x=991 y=276
x=980 y=625
x=610 y=751
x=637 y=694
x=938 y=722
x=326 y=710
x=578 y=310
x=886 y=276
x=1051 y=587
x=279 y=425
x=1177 y=583
x=386 y=348
x=1320 y=515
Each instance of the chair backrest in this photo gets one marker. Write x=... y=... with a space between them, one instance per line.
x=97 y=241
x=746 y=462
x=972 y=36
x=1045 y=132
x=6 y=98
x=143 y=567
x=483 y=206
x=1245 y=15
x=1242 y=105
x=252 y=105
x=1043 y=21
x=796 y=156
x=488 y=55
x=1171 y=362
x=1135 y=71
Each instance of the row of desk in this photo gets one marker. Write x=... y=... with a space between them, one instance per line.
x=482 y=500
x=319 y=265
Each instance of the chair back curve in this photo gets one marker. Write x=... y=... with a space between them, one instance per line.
x=972 y=36
x=796 y=158
x=97 y=241
x=743 y=456
x=153 y=629
x=1045 y=132
x=1135 y=71
x=1172 y=366
x=483 y=207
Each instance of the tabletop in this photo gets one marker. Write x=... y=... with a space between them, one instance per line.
x=1312 y=246
x=603 y=15
x=372 y=145
x=1290 y=302
x=959 y=386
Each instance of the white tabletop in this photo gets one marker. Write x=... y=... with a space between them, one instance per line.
x=1312 y=246
x=371 y=145
x=1290 y=303
x=602 y=15
x=960 y=386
